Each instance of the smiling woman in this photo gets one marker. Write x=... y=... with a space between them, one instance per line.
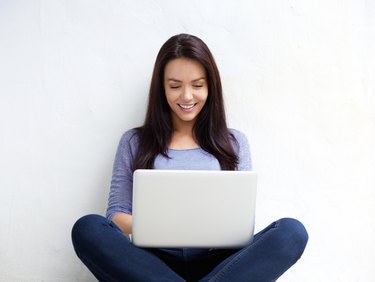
x=185 y=128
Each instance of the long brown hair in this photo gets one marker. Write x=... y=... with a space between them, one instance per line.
x=210 y=128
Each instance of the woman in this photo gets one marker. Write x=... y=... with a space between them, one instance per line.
x=184 y=128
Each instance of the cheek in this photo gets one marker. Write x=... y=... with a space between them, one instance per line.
x=204 y=95
x=167 y=94
x=170 y=97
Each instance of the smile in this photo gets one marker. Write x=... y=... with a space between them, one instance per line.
x=186 y=107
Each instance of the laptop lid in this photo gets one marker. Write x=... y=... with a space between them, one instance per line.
x=193 y=208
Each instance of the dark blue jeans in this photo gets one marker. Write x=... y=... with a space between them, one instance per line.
x=110 y=256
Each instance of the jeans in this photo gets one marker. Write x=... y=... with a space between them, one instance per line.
x=110 y=256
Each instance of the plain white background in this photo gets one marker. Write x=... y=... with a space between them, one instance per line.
x=298 y=78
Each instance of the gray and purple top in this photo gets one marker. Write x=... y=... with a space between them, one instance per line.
x=120 y=196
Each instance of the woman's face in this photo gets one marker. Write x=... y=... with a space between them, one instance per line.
x=186 y=90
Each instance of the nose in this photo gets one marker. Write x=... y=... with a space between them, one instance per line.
x=186 y=94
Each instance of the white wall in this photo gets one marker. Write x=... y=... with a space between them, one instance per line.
x=298 y=79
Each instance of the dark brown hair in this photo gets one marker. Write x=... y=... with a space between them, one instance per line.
x=210 y=128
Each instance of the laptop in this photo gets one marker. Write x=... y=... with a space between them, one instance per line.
x=193 y=208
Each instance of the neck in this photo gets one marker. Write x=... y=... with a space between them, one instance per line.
x=183 y=127
x=183 y=136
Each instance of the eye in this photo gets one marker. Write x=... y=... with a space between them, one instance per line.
x=198 y=86
x=174 y=86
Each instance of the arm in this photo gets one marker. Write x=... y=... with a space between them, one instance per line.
x=119 y=207
x=243 y=150
x=124 y=222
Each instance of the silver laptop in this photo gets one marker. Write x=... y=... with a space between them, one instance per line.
x=193 y=208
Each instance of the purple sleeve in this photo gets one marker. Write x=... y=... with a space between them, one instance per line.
x=121 y=191
x=243 y=150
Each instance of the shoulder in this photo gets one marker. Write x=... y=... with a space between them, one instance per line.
x=239 y=137
x=129 y=140
x=130 y=136
x=242 y=147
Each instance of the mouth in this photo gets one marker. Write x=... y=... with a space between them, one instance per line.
x=187 y=107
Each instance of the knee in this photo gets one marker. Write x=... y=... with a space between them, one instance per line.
x=84 y=228
x=295 y=236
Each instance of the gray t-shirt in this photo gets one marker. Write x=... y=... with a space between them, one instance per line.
x=120 y=196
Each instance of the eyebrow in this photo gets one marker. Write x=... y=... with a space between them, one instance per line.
x=195 y=80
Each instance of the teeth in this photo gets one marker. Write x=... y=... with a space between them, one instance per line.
x=186 y=106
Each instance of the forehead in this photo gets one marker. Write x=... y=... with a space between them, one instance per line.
x=184 y=68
